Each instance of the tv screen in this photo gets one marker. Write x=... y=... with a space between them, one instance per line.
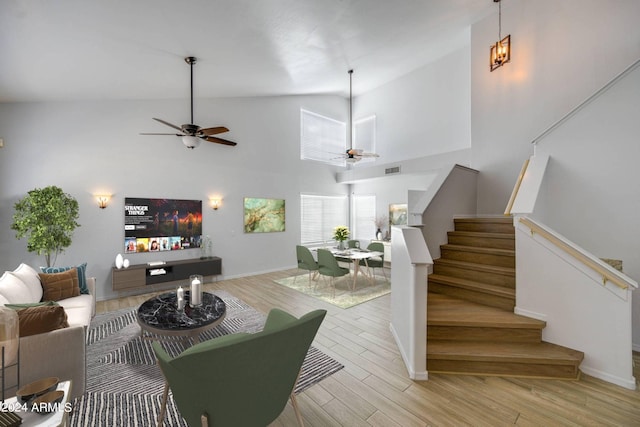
x=155 y=225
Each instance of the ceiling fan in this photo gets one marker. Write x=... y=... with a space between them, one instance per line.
x=353 y=155
x=192 y=134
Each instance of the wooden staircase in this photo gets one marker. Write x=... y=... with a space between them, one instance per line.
x=471 y=325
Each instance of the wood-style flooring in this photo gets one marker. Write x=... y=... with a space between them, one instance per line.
x=374 y=389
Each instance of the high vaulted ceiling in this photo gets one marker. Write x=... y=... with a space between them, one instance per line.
x=134 y=49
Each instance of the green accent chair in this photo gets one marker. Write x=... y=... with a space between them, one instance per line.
x=373 y=263
x=240 y=379
x=353 y=244
x=306 y=262
x=328 y=266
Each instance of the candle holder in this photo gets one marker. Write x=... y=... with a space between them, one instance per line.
x=195 y=294
x=180 y=301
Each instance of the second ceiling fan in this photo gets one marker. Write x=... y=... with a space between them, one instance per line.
x=190 y=133
x=353 y=155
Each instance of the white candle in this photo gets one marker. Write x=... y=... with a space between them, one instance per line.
x=196 y=292
x=180 y=296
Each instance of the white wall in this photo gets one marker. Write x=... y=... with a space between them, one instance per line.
x=94 y=147
x=562 y=53
x=424 y=113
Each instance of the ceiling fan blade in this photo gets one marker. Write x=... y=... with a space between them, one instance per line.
x=213 y=131
x=172 y=134
x=168 y=124
x=220 y=141
x=368 y=155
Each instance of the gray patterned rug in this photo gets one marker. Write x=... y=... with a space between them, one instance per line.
x=124 y=383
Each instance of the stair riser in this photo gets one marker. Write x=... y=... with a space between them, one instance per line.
x=485 y=227
x=479 y=258
x=463 y=333
x=469 y=295
x=490 y=278
x=503 y=368
x=483 y=242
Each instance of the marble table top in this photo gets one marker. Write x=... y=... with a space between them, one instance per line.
x=161 y=312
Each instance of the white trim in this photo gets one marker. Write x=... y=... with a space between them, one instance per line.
x=418 y=376
x=528 y=313
x=629 y=383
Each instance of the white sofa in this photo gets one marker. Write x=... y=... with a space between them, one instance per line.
x=62 y=352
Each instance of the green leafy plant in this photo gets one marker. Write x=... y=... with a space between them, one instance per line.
x=341 y=233
x=47 y=217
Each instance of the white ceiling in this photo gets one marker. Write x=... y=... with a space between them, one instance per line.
x=134 y=49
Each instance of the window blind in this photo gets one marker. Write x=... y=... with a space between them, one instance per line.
x=319 y=215
x=322 y=139
x=363 y=216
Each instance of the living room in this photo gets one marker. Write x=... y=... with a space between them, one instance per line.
x=451 y=109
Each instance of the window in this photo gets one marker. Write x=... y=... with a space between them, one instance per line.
x=319 y=215
x=363 y=214
x=322 y=139
x=364 y=137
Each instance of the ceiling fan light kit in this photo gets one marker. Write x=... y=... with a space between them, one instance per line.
x=192 y=135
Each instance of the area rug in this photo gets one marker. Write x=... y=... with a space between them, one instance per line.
x=320 y=288
x=124 y=383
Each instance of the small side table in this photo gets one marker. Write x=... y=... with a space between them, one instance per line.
x=57 y=418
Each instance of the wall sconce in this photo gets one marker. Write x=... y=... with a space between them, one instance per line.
x=500 y=53
x=103 y=200
x=215 y=203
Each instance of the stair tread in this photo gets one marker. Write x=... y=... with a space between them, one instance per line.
x=473 y=285
x=482 y=219
x=444 y=310
x=478 y=249
x=483 y=234
x=511 y=271
x=542 y=352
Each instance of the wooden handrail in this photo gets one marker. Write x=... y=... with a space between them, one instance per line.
x=516 y=188
x=580 y=256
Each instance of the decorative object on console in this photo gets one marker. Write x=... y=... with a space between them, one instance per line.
x=192 y=134
x=195 y=294
x=500 y=53
x=47 y=217
x=119 y=261
x=125 y=263
x=9 y=341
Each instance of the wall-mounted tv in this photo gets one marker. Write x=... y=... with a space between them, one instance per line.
x=154 y=225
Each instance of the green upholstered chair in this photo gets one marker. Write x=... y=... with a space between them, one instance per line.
x=375 y=262
x=328 y=266
x=240 y=379
x=306 y=261
x=353 y=244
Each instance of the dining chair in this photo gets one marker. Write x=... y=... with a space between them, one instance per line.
x=306 y=262
x=328 y=266
x=241 y=379
x=375 y=262
x=353 y=244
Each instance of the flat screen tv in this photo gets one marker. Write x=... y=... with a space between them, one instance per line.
x=155 y=225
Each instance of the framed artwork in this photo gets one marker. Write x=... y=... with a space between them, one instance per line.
x=397 y=214
x=263 y=215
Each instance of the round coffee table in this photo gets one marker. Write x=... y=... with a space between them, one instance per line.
x=160 y=316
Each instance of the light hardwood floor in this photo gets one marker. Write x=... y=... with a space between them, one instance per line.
x=374 y=390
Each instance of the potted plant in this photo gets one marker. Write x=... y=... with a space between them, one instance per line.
x=340 y=234
x=47 y=217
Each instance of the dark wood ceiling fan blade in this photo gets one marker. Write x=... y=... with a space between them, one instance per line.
x=172 y=134
x=220 y=141
x=168 y=124
x=213 y=131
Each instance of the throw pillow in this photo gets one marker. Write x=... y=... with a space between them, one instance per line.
x=82 y=274
x=57 y=286
x=30 y=278
x=28 y=305
x=38 y=320
x=13 y=289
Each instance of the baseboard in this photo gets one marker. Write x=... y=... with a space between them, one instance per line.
x=528 y=313
x=628 y=383
x=417 y=376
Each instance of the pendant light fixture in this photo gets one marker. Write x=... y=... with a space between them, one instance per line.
x=500 y=52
